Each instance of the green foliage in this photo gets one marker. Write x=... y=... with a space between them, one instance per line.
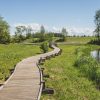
x=22 y=33
x=1 y=76
x=97 y=22
x=87 y=64
x=98 y=77
x=28 y=31
x=44 y=47
x=49 y=37
x=63 y=38
x=94 y=41
x=79 y=39
x=64 y=32
x=4 y=31
x=35 y=40
x=28 y=35
x=39 y=37
x=17 y=38
x=42 y=30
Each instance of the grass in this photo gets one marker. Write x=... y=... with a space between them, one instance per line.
x=68 y=82
x=11 y=54
x=87 y=65
x=79 y=39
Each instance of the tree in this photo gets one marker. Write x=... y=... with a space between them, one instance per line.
x=49 y=37
x=64 y=34
x=18 y=37
x=42 y=34
x=4 y=31
x=28 y=32
x=97 y=22
x=42 y=30
x=20 y=29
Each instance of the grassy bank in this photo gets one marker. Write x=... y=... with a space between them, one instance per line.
x=11 y=54
x=66 y=79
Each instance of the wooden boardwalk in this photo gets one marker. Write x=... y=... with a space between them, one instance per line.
x=24 y=83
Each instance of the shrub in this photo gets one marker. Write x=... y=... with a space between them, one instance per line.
x=44 y=47
x=98 y=78
x=1 y=76
x=87 y=65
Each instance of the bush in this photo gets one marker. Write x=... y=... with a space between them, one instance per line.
x=4 y=31
x=98 y=78
x=35 y=40
x=87 y=65
x=44 y=47
x=95 y=41
x=1 y=76
x=4 y=73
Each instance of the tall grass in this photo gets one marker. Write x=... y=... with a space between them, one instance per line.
x=88 y=65
x=66 y=79
x=11 y=54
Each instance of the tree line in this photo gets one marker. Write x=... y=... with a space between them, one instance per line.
x=97 y=29
x=23 y=33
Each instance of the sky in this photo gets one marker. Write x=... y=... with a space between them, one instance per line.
x=77 y=16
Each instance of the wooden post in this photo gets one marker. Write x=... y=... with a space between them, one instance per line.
x=42 y=69
x=43 y=82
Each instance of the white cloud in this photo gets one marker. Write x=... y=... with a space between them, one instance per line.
x=55 y=29
x=80 y=31
x=71 y=30
x=76 y=30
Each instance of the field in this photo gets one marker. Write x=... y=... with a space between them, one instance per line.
x=79 y=39
x=68 y=39
x=11 y=54
x=66 y=79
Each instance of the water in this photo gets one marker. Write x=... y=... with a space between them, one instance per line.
x=96 y=54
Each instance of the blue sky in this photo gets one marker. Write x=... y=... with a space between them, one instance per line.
x=52 y=13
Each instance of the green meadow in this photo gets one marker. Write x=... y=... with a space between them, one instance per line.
x=68 y=81
x=11 y=54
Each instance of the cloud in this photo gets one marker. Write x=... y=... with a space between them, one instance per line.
x=35 y=27
x=80 y=31
x=76 y=31
x=71 y=30
x=55 y=29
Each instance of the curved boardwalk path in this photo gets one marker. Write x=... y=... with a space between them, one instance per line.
x=24 y=84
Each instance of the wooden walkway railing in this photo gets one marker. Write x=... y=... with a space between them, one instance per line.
x=26 y=81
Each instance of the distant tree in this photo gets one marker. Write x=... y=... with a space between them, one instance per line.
x=28 y=32
x=4 y=31
x=42 y=34
x=49 y=37
x=97 y=22
x=64 y=34
x=18 y=37
x=42 y=29
x=20 y=29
